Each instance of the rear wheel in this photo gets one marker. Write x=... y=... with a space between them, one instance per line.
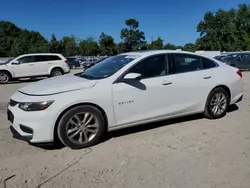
x=56 y=72
x=81 y=127
x=217 y=104
x=4 y=77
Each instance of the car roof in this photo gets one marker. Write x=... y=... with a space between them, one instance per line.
x=155 y=52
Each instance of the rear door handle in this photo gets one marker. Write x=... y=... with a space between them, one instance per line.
x=49 y=63
x=166 y=83
x=207 y=77
x=31 y=65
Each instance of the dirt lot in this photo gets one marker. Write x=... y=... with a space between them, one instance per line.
x=188 y=152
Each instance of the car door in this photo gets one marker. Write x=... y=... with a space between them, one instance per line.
x=23 y=66
x=192 y=79
x=42 y=65
x=150 y=97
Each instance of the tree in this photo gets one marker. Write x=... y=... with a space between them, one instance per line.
x=55 y=46
x=8 y=33
x=225 y=30
x=156 y=44
x=69 y=46
x=107 y=45
x=89 y=47
x=169 y=46
x=189 y=47
x=133 y=39
x=29 y=42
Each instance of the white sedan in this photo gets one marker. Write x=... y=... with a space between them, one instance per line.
x=122 y=91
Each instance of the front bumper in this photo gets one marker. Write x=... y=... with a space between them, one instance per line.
x=20 y=137
x=33 y=127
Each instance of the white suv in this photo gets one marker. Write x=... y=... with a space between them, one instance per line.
x=33 y=65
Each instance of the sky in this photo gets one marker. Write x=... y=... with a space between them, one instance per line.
x=174 y=21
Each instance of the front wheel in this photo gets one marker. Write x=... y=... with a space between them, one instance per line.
x=217 y=104
x=81 y=127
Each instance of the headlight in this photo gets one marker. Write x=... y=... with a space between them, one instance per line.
x=34 y=106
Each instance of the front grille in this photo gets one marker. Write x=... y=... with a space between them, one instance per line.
x=13 y=103
x=10 y=116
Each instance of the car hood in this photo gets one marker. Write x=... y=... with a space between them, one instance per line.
x=57 y=85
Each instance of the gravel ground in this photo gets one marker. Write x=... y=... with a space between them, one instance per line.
x=186 y=152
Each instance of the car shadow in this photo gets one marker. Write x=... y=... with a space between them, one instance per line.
x=135 y=129
x=25 y=80
x=149 y=126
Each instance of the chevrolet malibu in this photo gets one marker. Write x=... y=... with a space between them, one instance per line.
x=122 y=91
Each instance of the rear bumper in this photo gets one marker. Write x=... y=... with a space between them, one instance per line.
x=240 y=99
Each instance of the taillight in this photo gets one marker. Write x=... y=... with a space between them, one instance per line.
x=66 y=62
x=239 y=73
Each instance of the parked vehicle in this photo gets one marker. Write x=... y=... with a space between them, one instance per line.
x=122 y=91
x=73 y=63
x=220 y=57
x=241 y=61
x=89 y=64
x=33 y=65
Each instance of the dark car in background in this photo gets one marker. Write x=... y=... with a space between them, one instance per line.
x=89 y=64
x=240 y=61
x=73 y=63
x=220 y=57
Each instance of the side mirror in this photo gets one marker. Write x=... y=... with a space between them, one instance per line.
x=15 y=63
x=132 y=76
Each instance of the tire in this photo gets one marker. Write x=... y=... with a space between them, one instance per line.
x=66 y=128
x=4 y=77
x=222 y=106
x=56 y=72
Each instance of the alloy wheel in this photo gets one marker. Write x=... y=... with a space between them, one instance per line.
x=57 y=73
x=82 y=127
x=218 y=103
x=4 y=78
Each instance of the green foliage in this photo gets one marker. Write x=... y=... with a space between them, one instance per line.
x=89 y=47
x=29 y=42
x=156 y=44
x=107 y=45
x=8 y=33
x=133 y=38
x=69 y=46
x=54 y=45
x=223 y=30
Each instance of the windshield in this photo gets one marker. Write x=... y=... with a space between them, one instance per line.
x=107 y=67
x=6 y=61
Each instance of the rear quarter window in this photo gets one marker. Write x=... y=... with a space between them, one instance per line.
x=54 y=58
x=207 y=63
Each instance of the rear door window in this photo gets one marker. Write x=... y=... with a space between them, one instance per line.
x=186 y=63
x=41 y=58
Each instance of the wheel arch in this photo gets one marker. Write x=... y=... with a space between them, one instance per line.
x=55 y=136
x=226 y=88
x=56 y=67
x=8 y=72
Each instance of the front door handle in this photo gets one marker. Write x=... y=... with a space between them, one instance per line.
x=31 y=65
x=166 y=83
x=207 y=77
